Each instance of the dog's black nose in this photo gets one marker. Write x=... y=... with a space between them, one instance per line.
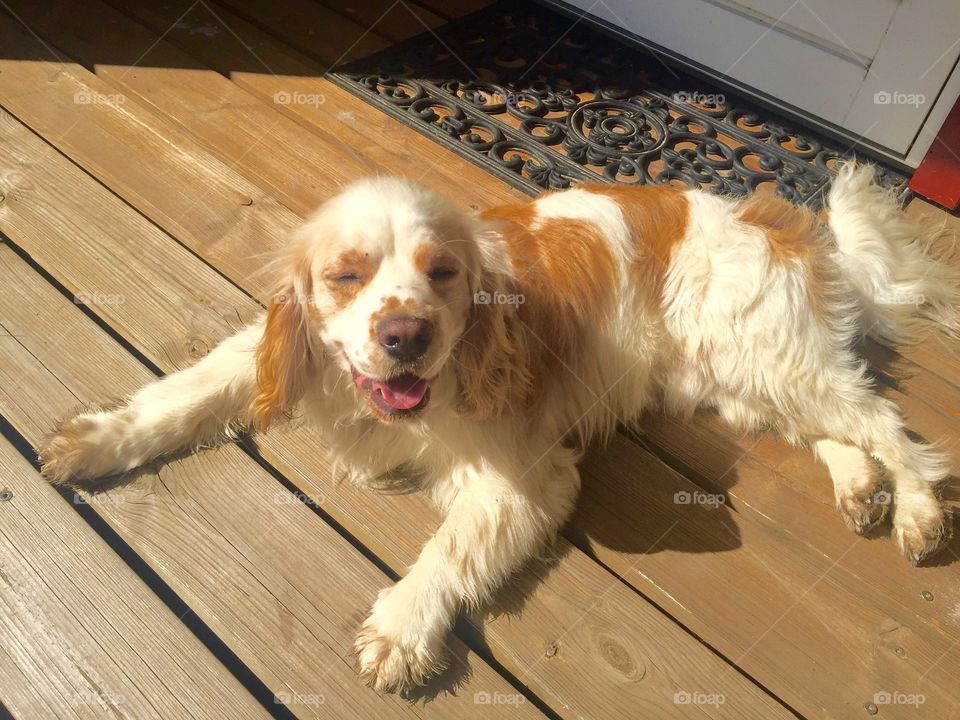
x=405 y=338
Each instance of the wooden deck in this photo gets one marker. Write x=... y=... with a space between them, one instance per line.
x=145 y=170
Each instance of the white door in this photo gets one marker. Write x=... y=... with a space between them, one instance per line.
x=874 y=69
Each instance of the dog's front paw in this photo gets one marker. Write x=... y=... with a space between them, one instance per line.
x=70 y=453
x=393 y=653
x=920 y=526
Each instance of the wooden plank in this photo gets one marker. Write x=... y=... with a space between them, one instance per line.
x=337 y=38
x=280 y=587
x=390 y=20
x=82 y=635
x=799 y=618
x=357 y=127
x=297 y=26
x=227 y=119
x=785 y=488
x=605 y=646
x=453 y=8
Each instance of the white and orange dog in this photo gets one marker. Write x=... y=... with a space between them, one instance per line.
x=483 y=353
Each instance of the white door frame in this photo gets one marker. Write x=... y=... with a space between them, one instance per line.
x=918 y=126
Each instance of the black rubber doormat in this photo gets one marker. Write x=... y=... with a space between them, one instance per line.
x=546 y=102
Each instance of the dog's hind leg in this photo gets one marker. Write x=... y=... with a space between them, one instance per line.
x=828 y=401
x=873 y=425
x=849 y=425
x=860 y=497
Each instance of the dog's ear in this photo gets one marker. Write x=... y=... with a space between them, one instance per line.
x=286 y=357
x=492 y=365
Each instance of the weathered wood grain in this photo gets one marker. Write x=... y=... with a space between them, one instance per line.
x=81 y=634
x=269 y=149
x=790 y=615
x=391 y=20
x=341 y=119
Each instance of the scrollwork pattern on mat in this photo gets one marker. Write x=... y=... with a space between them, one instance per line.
x=546 y=105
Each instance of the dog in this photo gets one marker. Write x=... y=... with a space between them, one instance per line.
x=485 y=352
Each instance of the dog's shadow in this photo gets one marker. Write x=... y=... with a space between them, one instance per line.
x=633 y=504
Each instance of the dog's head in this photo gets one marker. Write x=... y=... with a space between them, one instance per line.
x=389 y=281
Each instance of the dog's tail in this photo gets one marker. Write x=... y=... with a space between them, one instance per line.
x=886 y=256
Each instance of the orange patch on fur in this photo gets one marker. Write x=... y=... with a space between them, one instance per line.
x=431 y=255
x=565 y=279
x=792 y=231
x=283 y=359
x=423 y=257
x=351 y=262
x=565 y=262
x=794 y=234
x=657 y=216
x=393 y=306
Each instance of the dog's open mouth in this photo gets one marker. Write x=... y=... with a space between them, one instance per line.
x=401 y=396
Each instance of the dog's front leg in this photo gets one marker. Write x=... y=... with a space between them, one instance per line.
x=497 y=521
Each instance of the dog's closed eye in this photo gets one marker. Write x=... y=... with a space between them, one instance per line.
x=344 y=277
x=350 y=268
x=442 y=273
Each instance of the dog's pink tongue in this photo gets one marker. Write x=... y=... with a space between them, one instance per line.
x=403 y=393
